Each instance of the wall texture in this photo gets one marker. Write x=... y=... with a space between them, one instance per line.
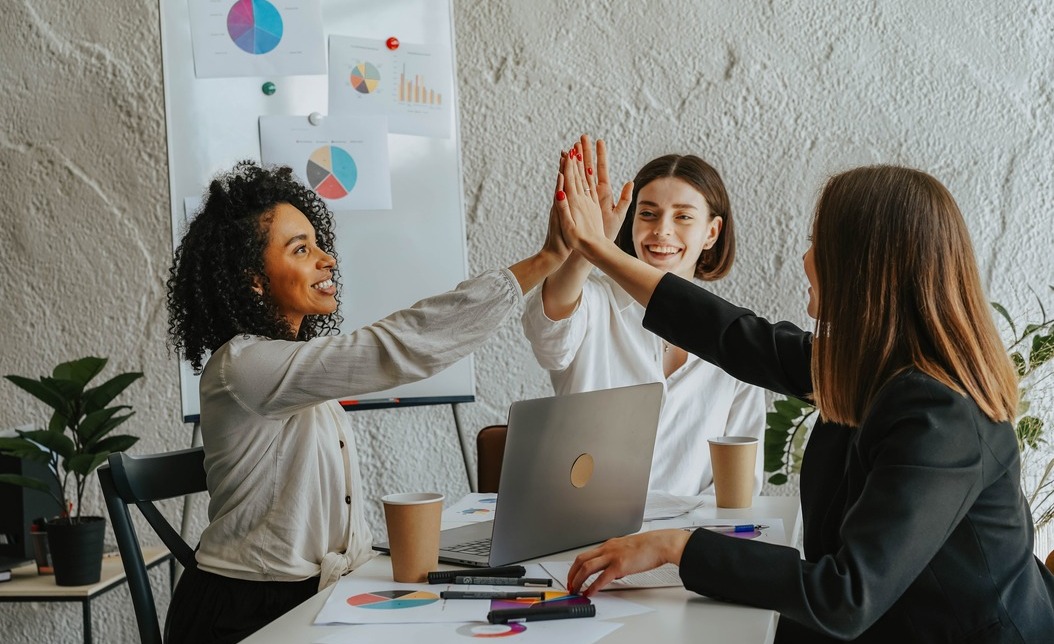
x=776 y=95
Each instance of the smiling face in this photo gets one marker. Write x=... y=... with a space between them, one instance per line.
x=299 y=273
x=672 y=225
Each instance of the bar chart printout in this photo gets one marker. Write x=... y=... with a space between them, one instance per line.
x=412 y=86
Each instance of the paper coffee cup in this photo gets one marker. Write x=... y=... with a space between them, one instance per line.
x=413 y=533
x=733 y=459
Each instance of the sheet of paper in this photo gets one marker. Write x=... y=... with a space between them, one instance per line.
x=410 y=85
x=581 y=631
x=768 y=530
x=342 y=158
x=257 y=37
x=361 y=599
x=474 y=507
x=662 y=577
x=661 y=505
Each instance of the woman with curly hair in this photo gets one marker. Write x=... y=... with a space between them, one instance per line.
x=254 y=283
x=914 y=523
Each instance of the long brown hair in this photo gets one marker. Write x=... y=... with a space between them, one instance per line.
x=899 y=289
x=714 y=262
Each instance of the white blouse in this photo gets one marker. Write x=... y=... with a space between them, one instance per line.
x=282 y=467
x=603 y=345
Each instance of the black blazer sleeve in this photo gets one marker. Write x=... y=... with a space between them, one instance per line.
x=752 y=349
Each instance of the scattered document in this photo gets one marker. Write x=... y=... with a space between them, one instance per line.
x=257 y=37
x=474 y=507
x=581 y=631
x=661 y=505
x=666 y=576
x=769 y=530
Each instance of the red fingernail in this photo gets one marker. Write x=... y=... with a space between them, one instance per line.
x=589 y=170
x=572 y=151
x=560 y=196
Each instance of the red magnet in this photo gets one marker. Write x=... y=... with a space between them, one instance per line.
x=392 y=43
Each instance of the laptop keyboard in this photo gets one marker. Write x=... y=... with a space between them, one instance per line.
x=478 y=547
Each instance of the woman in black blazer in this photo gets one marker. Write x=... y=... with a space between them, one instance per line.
x=915 y=525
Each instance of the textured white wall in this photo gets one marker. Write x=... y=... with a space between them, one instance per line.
x=776 y=95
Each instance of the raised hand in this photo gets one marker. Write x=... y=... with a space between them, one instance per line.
x=581 y=219
x=614 y=211
x=554 y=240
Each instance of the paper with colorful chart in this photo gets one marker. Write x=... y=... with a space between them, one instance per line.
x=342 y=158
x=473 y=507
x=375 y=599
x=411 y=85
x=257 y=37
x=580 y=631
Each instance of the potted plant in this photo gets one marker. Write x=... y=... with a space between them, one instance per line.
x=75 y=442
x=1030 y=349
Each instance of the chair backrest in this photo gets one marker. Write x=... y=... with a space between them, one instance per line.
x=142 y=480
x=490 y=451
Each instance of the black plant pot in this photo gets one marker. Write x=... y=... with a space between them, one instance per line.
x=76 y=549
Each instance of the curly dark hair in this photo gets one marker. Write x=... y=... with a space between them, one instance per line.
x=210 y=285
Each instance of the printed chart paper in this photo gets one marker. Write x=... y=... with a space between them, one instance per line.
x=768 y=530
x=665 y=576
x=257 y=37
x=581 y=631
x=361 y=599
x=411 y=85
x=344 y=158
x=473 y=507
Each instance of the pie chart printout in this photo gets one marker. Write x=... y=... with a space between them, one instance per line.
x=491 y=630
x=331 y=172
x=365 y=78
x=255 y=26
x=393 y=599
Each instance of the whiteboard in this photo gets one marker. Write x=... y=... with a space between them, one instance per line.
x=388 y=259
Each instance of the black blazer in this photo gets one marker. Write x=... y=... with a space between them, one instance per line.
x=915 y=527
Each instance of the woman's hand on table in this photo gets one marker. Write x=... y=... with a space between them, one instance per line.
x=623 y=556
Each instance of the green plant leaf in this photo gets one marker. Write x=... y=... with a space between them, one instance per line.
x=100 y=423
x=787 y=409
x=57 y=423
x=778 y=421
x=58 y=443
x=84 y=464
x=25 y=481
x=41 y=391
x=98 y=397
x=113 y=444
x=1042 y=350
x=24 y=449
x=1019 y=363
x=1006 y=316
x=80 y=371
x=778 y=479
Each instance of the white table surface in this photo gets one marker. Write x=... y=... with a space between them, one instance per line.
x=679 y=615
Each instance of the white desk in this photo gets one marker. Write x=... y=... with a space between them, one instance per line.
x=679 y=615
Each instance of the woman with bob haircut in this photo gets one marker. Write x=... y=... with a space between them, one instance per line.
x=255 y=284
x=914 y=522
x=586 y=331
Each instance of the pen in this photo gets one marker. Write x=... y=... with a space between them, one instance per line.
x=748 y=527
x=448 y=576
x=538 y=613
x=490 y=594
x=502 y=581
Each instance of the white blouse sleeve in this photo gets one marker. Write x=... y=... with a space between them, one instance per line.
x=277 y=378
x=556 y=342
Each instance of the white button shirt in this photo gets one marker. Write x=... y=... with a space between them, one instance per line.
x=286 y=497
x=603 y=345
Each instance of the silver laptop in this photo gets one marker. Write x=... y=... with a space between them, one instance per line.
x=575 y=472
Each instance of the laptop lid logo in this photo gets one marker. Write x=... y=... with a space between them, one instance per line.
x=582 y=470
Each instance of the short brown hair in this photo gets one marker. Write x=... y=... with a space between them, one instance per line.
x=714 y=262
x=899 y=289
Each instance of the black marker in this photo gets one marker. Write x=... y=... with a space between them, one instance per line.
x=491 y=594
x=448 y=576
x=503 y=581
x=538 y=613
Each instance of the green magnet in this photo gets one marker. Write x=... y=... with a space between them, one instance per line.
x=269 y=88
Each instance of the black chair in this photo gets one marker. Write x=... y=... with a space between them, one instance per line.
x=142 y=480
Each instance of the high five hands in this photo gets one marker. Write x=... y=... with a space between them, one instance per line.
x=584 y=201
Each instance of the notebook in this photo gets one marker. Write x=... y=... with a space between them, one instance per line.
x=575 y=472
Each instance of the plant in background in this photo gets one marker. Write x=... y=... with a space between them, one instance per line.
x=77 y=439
x=787 y=428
